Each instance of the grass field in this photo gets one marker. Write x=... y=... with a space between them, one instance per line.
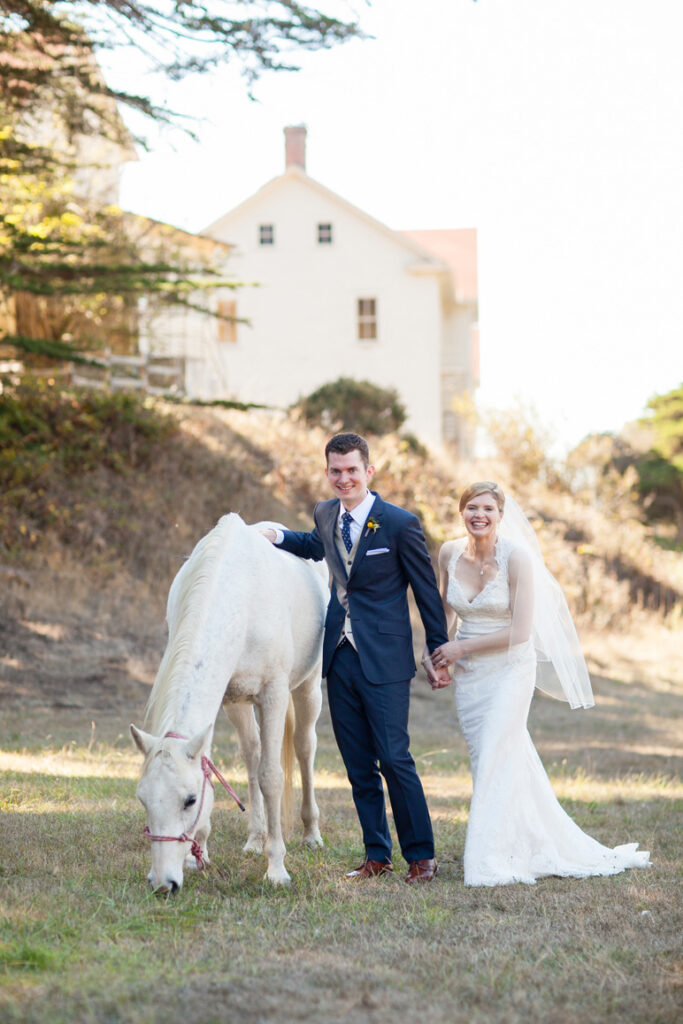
x=82 y=940
x=85 y=570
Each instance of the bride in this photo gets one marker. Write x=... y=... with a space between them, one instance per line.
x=515 y=632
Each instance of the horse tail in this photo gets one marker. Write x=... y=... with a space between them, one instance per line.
x=288 y=764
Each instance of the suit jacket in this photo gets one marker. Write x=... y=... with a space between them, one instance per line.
x=387 y=560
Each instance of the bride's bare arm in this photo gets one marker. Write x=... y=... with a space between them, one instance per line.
x=439 y=675
x=521 y=606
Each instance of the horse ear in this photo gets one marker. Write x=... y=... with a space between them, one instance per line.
x=200 y=742
x=144 y=741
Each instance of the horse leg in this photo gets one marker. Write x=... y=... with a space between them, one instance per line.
x=273 y=710
x=243 y=718
x=307 y=699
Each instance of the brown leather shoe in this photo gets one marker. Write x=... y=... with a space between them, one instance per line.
x=371 y=868
x=422 y=871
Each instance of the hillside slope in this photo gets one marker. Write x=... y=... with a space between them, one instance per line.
x=83 y=593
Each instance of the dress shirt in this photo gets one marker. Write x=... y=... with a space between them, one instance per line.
x=358 y=516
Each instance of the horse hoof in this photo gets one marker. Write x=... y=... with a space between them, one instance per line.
x=283 y=879
x=314 y=842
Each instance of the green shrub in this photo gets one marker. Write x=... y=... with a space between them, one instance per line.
x=356 y=405
x=660 y=470
x=414 y=444
x=50 y=435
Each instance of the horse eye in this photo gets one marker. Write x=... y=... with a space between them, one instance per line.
x=189 y=801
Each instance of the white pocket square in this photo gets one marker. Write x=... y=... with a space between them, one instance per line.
x=377 y=551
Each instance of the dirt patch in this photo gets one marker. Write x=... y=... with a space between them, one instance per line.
x=54 y=654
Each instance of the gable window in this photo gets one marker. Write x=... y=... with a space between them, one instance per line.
x=266 y=234
x=324 y=234
x=367 y=319
x=227 y=328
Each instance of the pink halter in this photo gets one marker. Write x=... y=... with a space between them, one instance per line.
x=208 y=768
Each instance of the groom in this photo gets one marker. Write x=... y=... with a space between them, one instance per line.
x=374 y=551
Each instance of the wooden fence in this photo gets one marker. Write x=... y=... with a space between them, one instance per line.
x=155 y=375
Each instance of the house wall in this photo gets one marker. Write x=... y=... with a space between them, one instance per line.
x=459 y=375
x=303 y=313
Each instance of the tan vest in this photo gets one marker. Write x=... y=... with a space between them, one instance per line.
x=347 y=558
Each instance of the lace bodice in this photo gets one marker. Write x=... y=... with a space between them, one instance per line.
x=490 y=609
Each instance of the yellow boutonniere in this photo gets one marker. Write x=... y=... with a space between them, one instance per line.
x=373 y=525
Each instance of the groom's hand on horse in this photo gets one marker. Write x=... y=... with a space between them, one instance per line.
x=269 y=535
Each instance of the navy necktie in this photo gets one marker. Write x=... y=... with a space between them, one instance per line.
x=346 y=530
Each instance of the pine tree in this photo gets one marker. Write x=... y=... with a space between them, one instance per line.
x=70 y=267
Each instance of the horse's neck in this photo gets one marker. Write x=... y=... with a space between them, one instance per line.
x=196 y=686
x=190 y=714
x=202 y=653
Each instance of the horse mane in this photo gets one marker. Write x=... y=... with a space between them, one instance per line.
x=190 y=592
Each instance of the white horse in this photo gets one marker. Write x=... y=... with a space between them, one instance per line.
x=245 y=625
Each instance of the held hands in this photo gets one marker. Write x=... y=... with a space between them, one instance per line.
x=438 y=677
x=441 y=680
x=447 y=654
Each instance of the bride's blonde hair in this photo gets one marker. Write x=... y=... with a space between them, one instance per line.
x=482 y=487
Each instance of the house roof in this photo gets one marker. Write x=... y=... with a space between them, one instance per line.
x=429 y=259
x=456 y=247
x=452 y=254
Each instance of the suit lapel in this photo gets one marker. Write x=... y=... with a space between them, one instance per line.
x=376 y=514
x=326 y=516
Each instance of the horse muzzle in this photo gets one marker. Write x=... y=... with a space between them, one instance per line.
x=169 y=887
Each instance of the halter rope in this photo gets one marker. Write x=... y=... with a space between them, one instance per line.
x=208 y=767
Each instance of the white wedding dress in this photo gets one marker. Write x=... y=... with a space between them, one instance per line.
x=517 y=831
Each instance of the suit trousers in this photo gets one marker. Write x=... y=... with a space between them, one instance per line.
x=370 y=723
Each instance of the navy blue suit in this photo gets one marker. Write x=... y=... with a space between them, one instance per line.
x=369 y=686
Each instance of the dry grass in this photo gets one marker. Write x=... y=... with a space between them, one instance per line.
x=127 y=534
x=82 y=940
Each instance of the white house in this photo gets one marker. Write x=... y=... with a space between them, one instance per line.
x=337 y=293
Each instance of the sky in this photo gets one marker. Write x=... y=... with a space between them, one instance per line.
x=552 y=126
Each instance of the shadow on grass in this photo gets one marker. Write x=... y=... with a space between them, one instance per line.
x=106 y=847
x=630 y=730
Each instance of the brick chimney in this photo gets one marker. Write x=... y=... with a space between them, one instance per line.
x=295 y=146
